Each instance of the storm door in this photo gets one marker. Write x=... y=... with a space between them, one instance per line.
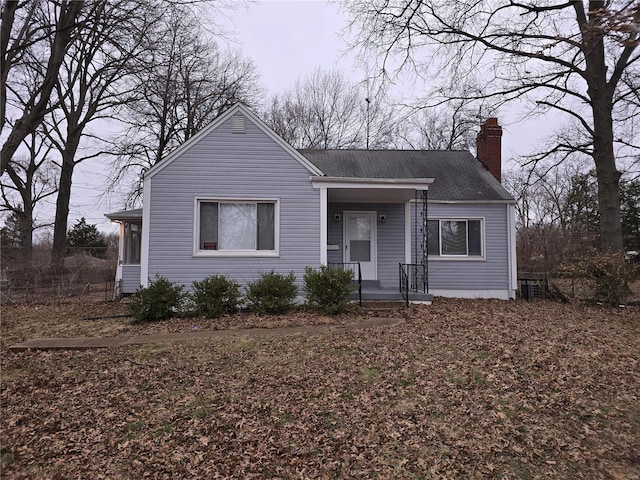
x=360 y=242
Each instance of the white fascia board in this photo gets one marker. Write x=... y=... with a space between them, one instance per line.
x=386 y=183
x=238 y=107
x=469 y=202
x=123 y=218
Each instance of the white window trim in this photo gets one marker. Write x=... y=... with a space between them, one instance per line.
x=235 y=253
x=461 y=258
x=126 y=245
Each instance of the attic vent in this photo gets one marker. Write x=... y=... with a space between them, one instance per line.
x=237 y=124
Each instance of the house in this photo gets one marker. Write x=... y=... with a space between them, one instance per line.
x=238 y=200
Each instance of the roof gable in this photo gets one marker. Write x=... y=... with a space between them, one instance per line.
x=230 y=113
x=458 y=175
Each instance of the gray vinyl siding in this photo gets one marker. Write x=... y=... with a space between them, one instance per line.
x=492 y=273
x=223 y=164
x=130 y=278
x=390 y=237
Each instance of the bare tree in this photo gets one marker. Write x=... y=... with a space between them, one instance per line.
x=324 y=110
x=19 y=34
x=444 y=127
x=556 y=214
x=93 y=82
x=578 y=59
x=188 y=82
x=32 y=181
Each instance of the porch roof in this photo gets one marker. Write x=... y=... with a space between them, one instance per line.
x=125 y=215
x=459 y=176
x=384 y=190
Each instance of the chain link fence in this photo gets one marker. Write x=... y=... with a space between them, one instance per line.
x=80 y=275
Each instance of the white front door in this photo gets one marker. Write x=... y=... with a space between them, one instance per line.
x=360 y=242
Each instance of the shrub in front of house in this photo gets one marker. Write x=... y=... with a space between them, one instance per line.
x=215 y=296
x=273 y=293
x=156 y=302
x=328 y=289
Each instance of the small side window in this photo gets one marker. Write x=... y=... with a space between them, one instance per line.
x=132 y=243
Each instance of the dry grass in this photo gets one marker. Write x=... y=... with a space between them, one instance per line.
x=463 y=389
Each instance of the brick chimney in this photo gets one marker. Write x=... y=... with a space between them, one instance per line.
x=489 y=147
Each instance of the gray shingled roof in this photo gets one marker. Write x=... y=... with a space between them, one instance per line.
x=458 y=174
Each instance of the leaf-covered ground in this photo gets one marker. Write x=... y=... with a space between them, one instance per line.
x=463 y=389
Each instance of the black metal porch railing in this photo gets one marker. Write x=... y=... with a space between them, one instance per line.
x=354 y=267
x=413 y=278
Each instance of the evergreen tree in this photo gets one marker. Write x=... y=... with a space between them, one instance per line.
x=583 y=214
x=630 y=212
x=581 y=208
x=86 y=238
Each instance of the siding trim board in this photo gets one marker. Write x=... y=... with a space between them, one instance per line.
x=146 y=232
x=323 y=226
x=407 y=232
x=513 y=271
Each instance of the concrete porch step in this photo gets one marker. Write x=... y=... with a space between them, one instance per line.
x=391 y=295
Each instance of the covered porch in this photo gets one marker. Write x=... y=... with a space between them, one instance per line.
x=375 y=227
x=129 y=250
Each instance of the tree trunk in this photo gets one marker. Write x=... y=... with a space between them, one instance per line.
x=26 y=222
x=601 y=95
x=26 y=233
x=62 y=211
x=62 y=202
x=608 y=184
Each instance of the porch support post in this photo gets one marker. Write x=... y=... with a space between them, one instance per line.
x=407 y=232
x=120 y=251
x=323 y=225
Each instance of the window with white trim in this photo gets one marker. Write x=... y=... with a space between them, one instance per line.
x=132 y=243
x=455 y=238
x=240 y=226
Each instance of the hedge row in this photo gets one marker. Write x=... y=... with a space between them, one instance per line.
x=328 y=291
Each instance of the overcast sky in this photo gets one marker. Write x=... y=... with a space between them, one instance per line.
x=286 y=39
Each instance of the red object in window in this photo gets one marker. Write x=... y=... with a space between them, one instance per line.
x=210 y=245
